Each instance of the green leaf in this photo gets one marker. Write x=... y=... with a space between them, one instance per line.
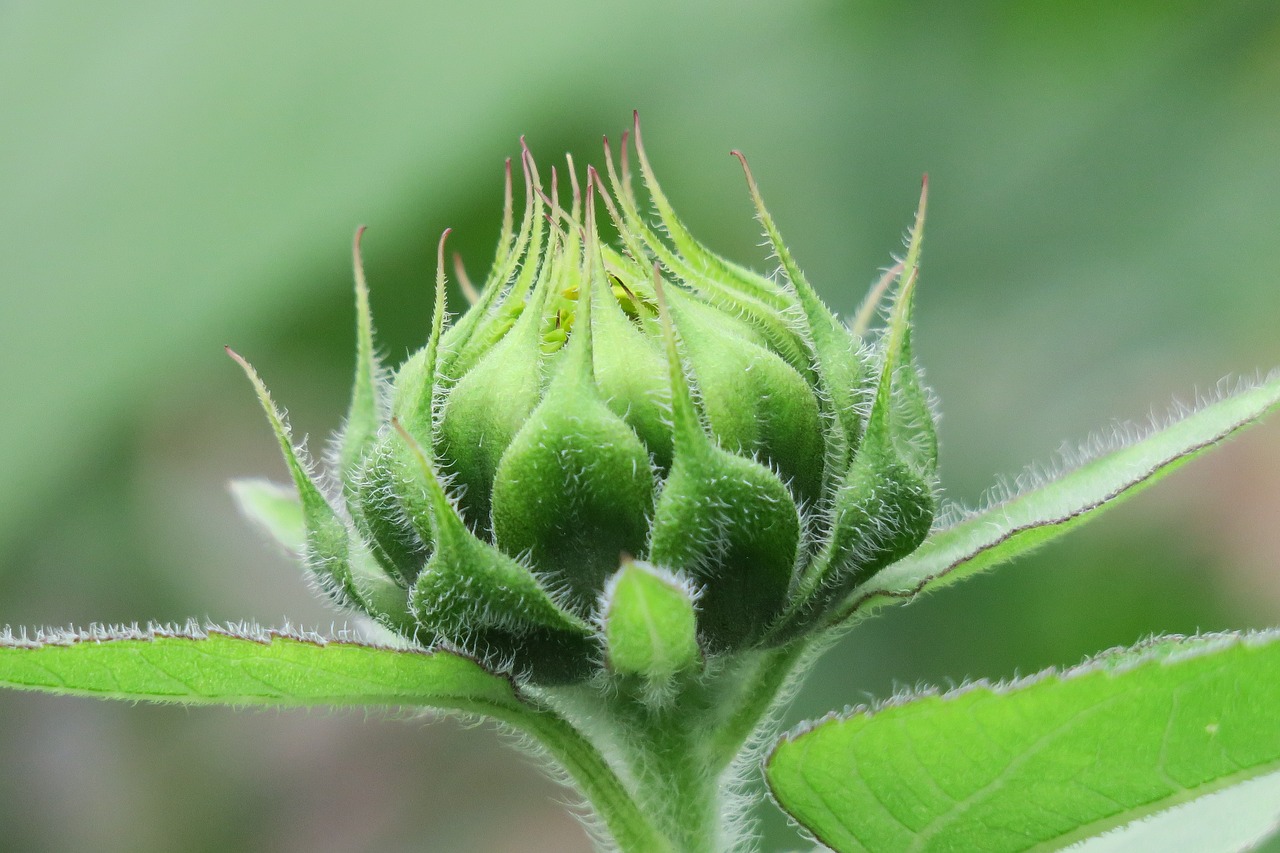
x=275 y=508
x=246 y=666
x=1044 y=761
x=1046 y=510
x=1234 y=820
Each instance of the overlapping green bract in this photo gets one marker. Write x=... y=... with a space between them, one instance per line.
x=601 y=402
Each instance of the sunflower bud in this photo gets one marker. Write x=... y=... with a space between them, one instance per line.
x=601 y=399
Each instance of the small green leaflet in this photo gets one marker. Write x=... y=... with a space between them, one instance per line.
x=246 y=666
x=275 y=508
x=650 y=624
x=1027 y=520
x=1042 y=762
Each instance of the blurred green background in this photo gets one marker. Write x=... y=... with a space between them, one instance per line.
x=1104 y=234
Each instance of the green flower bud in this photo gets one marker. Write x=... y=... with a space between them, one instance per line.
x=650 y=625
x=599 y=400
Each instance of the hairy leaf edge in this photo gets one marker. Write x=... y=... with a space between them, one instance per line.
x=1169 y=648
x=97 y=633
x=881 y=590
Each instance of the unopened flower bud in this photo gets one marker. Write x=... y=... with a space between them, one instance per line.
x=601 y=399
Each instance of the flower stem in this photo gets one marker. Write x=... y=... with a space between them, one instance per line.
x=629 y=827
x=756 y=694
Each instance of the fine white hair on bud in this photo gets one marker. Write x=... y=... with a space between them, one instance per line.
x=629 y=459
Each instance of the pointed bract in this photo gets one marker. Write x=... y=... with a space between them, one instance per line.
x=723 y=427
x=650 y=624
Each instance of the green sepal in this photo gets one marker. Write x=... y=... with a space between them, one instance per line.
x=339 y=562
x=486 y=408
x=275 y=508
x=838 y=358
x=882 y=512
x=755 y=403
x=481 y=601
x=364 y=465
x=911 y=421
x=650 y=624
x=574 y=490
x=500 y=305
x=391 y=517
x=725 y=521
x=754 y=301
x=884 y=507
x=710 y=266
x=363 y=414
x=631 y=375
x=386 y=505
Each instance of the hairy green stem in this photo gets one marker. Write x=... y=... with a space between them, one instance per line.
x=664 y=782
x=628 y=826
x=678 y=787
x=756 y=696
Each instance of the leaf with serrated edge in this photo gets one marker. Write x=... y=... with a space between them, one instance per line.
x=245 y=665
x=1041 y=762
x=1045 y=511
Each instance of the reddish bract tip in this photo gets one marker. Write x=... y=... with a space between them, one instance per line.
x=635 y=128
x=746 y=169
x=529 y=166
x=440 y=249
x=355 y=250
x=237 y=358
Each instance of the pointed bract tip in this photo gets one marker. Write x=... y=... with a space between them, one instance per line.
x=357 y=262
x=528 y=167
x=575 y=190
x=444 y=235
x=639 y=140
x=746 y=170
x=591 y=238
